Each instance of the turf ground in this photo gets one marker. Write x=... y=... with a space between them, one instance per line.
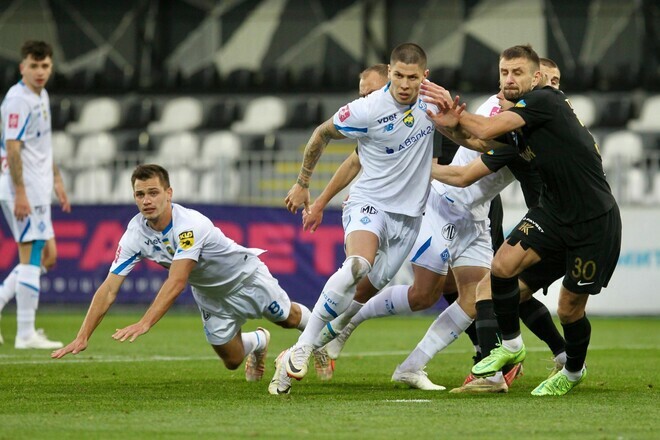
x=169 y=384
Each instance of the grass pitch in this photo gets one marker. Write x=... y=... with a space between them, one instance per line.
x=169 y=385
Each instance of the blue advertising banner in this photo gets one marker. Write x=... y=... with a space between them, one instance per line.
x=87 y=240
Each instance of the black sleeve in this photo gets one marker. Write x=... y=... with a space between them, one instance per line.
x=499 y=157
x=444 y=149
x=536 y=107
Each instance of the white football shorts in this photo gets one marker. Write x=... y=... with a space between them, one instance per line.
x=396 y=234
x=449 y=237
x=258 y=296
x=36 y=226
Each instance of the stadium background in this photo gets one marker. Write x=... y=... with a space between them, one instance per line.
x=225 y=94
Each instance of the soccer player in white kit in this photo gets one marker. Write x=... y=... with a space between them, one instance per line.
x=26 y=188
x=229 y=282
x=383 y=214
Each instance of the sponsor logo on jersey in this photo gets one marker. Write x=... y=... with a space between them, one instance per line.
x=186 y=239
x=344 y=113
x=495 y=110
x=205 y=315
x=521 y=103
x=528 y=154
x=388 y=127
x=412 y=140
x=117 y=253
x=13 y=120
x=449 y=231
x=389 y=118
x=368 y=209
x=408 y=118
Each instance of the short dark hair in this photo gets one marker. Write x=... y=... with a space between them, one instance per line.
x=144 y=172
x=522 y=51
x=380 y=69
x=409 y=53
x=547 y=62
x=38 y=49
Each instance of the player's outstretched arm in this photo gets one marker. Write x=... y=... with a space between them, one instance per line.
x=298 y=195
x=171 y=289
x=460 y=176
x=103 y=298
x=344 y=175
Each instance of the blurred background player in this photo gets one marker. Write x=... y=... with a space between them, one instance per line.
x=26 y=186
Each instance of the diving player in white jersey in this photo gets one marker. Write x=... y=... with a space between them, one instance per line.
x=383 y=214
x=26 y=188
x=229 y=282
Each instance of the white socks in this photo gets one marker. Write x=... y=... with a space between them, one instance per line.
x=304 y=317
x=513 y=345
x=390 y=301
x=337 y=324
x=255 y=340
x=443 y=331
x=27 y=298
x=335 y=298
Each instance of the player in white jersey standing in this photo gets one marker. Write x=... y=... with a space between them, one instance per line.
x=383 y=214
x=26 y=186
x=229 y=282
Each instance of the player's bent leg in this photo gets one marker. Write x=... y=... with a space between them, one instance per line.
x=231 y=353
x=335 y=298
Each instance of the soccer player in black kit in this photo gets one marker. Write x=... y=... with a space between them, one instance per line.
x=577 y=212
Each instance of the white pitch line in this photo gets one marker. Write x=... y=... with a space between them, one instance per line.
x=407 y=400
x=15 y=359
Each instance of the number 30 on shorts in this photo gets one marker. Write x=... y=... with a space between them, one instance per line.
x=583 y=270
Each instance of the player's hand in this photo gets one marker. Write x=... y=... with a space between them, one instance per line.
x=297 y=197
x=63 y=198
x=21 y=206
x=75 y=347
x=131 y=332
x=312 y=219
x=435 y=94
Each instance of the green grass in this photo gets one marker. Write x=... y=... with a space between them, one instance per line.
x=169 y=384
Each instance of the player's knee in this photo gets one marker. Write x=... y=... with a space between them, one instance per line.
x=502 y=269
x=356 y=267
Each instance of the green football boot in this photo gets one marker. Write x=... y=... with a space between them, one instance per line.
x=498 y=358
x=557 y=385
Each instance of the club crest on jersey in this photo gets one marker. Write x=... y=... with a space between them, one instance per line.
x=344 y=113
x=408 y=118
x=449 y=231
x=422 y=105
x=186 y=240
x=365 y=220
x=444 y=256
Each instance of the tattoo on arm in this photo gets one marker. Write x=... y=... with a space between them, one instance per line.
x=313 y=151
x=15 y=162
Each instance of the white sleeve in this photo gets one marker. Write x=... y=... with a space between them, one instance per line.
x=352 y=120
x=127 y=256
x=16 y=118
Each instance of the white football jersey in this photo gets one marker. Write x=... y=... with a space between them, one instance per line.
x=26 y=117
x=221 y=263
x=476 y=197
x=395 y=146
